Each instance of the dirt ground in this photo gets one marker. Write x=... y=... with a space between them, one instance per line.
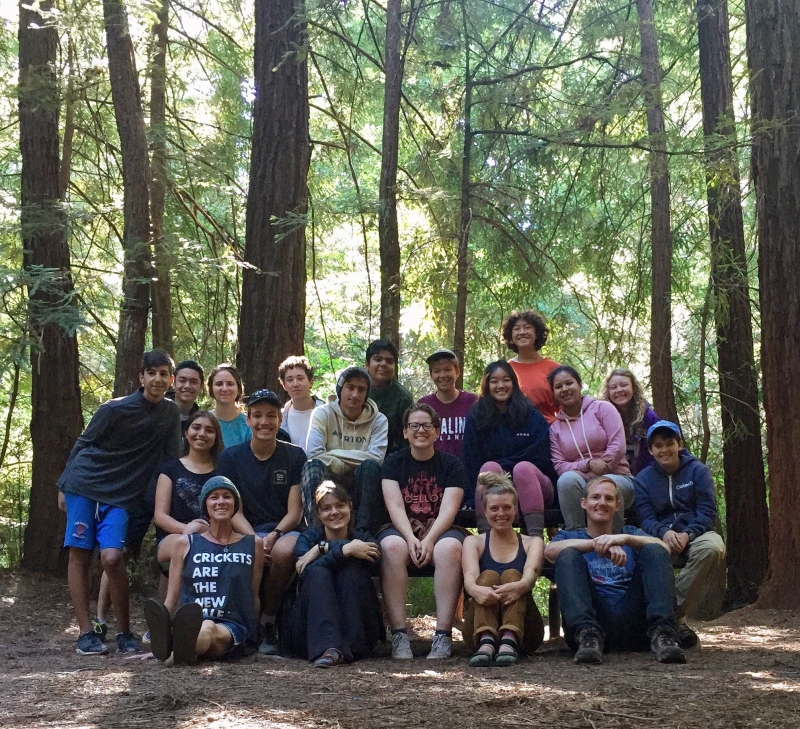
x=747 y=674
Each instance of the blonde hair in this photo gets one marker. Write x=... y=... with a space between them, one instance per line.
x=601 y=479
x=633 y=414
x=496 y=484
x=329 y=487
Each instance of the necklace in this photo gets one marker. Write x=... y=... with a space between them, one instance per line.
x=223 y=544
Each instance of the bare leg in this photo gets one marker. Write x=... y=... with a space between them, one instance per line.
x=447 y=580
x=394 y=579
x=103 y=599
x=78 y=579
x=114 y=566
x=279 y=576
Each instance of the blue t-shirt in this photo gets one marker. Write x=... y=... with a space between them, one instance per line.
x=610 y=580
x=235 y=431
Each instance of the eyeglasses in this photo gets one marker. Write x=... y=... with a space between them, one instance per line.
x=414 y=427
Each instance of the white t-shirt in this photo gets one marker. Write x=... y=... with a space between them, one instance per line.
x=296 y=423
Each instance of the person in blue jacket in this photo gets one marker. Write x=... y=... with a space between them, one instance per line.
x=505 y=432
x=676 y=502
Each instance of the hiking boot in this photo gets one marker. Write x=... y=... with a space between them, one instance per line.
x=687 y=638
x=664 y=645
x=89 y=644
x=100 y=628
x=126 y=643
x=401 y=647
x=441 y=647
x=268 y=646
x=590 y=646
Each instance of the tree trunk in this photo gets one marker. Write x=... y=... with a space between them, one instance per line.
x=135 y=179
x=745 y=489
x=160 y=290
x=661 y=240
x=773 y=51
x=56 y=419
x=387 y=218
x=272 y=320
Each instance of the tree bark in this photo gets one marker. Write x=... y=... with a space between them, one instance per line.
x=661 y=238
x=161 y=302
x=56 y=419
x=745 y=488
x=387 y=218
x=272 y=319
x=773 y=51
x=128 y=112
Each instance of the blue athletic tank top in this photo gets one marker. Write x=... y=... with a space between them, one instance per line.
x=220 y=579
x=487 y=562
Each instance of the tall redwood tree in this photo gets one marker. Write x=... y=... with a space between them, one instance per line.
x=773 y=52
x=272 y=318
x=56 y=419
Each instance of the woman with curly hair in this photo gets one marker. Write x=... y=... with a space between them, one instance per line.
x=623 y=391
x=525 y=333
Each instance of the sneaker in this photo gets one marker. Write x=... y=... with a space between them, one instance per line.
x=401 y=647
x=89 y=644
x=126 y=643
x=590 y=646
x=269 y=641
x=146 y=638
x=664 y=645
x=687 y=638
x=100 y=628
x=441 y=647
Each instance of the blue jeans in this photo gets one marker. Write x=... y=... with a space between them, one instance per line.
x=629 y=623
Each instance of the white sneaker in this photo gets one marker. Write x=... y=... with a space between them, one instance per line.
x=441 y=647
x=401 y=647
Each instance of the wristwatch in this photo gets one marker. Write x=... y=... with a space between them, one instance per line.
x=323 y=546
x=278 y=532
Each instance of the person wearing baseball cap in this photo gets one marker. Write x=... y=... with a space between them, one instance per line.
x=676 y=502
x=267 y=472
x=450 y=403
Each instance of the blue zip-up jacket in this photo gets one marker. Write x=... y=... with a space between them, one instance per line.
x=506 y=446
x=682 y=502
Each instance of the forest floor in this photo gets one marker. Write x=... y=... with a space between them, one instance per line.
x=747 y=674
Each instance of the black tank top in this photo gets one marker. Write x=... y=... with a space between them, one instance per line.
x=220 y=579
x=486 y=562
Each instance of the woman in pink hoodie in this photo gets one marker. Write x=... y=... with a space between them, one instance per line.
x=587 y=439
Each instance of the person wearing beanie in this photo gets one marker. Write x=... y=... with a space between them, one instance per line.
x=387 y=393
x=213 y=596
x=347 y=443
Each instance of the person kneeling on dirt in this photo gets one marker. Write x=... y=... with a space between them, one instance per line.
x=617 y=590
x=212 y=601
x=500 y=569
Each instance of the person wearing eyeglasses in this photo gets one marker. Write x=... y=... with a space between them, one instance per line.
x=422 y=489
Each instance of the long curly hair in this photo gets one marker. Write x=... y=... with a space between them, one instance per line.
x=634 y=411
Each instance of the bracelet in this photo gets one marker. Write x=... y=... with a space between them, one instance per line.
x=278 y=532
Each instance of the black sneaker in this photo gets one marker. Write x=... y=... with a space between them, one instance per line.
x=664 y=645
x=268 y=645
x=687 y=638
x=590 y=646
x=100 y=628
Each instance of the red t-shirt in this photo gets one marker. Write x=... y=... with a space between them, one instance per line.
x=533 y=382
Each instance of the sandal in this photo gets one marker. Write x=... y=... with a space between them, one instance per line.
x=483 y=659
x=507 y=658
x=186 y=626
x=159 y=624
x=330 y=658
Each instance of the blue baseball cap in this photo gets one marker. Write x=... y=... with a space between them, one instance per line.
x=663 y=425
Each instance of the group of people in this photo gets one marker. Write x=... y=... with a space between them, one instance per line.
x=275 y=521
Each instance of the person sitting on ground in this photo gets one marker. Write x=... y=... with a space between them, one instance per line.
x=423 y=489
x=267 y=473
x=104 y=480
x=213 y=602
x=297 y=378
x=676 y=501
x=504 y=432
x=525 y=333
x=500 y=570
x=336 y=617
x=452 y=405
x=347 y=443
x=587 y=439
x=226 y=388
x=388 y=394
x=616 y=587
x=623 y=391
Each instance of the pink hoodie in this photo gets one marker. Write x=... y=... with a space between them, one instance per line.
x=597 y=432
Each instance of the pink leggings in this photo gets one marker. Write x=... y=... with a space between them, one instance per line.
x=535 y=490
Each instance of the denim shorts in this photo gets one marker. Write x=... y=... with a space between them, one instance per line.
x=91 y=524
x=238 y=633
